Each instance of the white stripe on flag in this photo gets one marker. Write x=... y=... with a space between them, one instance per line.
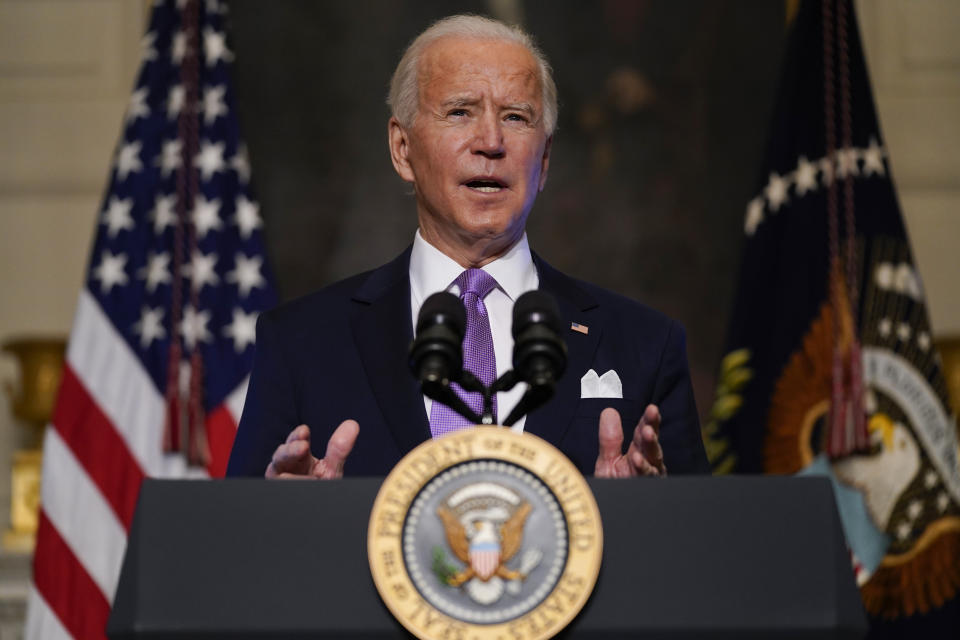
x=236 y=399
x=42 y=622
x=81 y=516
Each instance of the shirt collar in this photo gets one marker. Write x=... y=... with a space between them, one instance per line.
x=431 y=270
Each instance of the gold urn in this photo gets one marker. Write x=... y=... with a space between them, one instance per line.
x=41 y=367
x=949 y=349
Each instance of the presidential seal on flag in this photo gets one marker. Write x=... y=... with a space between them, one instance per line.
x=485 y=533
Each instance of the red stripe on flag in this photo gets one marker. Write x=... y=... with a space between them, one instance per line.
x=220 y=432
x=97 y=445
x=66 y=586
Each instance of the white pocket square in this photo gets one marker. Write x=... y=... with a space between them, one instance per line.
x=606 y=386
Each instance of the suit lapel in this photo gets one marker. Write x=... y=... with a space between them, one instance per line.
x=551 y=421
x=382 y=331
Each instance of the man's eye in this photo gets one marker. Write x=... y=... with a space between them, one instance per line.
x=457 y=113
x=516 y=117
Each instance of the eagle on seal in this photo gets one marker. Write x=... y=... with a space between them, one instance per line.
x=487 y=551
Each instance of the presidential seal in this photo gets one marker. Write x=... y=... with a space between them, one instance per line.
x=485 y=534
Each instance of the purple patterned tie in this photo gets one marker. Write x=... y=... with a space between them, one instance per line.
x=478 y=356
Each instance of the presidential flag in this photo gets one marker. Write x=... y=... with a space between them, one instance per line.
x=830 y=366
x=162 y=341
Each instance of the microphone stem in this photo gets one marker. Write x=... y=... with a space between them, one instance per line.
x=488 y=417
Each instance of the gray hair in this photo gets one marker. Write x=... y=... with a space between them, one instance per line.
x=404 y=85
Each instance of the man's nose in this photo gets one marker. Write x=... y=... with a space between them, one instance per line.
x=488 y=138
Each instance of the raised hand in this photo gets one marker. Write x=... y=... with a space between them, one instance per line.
x=644 y=456
x=293 y=459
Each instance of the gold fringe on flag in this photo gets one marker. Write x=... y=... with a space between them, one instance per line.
x=801 y=400
x=919 y=580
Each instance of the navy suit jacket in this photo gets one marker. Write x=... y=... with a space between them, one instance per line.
x=342 y=353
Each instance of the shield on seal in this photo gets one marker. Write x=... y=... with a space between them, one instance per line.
x=485 y=550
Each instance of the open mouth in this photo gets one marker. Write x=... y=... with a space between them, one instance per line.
x=486 y=185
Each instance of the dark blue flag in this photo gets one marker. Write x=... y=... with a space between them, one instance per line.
x=830 y=367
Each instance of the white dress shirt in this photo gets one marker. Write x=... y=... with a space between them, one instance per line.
x=432 y=271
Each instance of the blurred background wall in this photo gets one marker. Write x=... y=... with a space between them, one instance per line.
x=664 y=114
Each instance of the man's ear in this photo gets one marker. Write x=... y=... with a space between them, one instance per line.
x=399 y=141
x=545 y=163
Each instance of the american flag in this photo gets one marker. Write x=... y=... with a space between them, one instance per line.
x=162 y=341
x=580 y=328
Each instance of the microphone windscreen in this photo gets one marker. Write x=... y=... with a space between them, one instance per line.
x=535 y=307
x=443 y=308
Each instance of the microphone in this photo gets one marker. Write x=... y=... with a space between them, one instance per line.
x=539 y=354
x=436 y=354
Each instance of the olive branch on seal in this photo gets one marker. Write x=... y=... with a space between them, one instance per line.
x=441 y=566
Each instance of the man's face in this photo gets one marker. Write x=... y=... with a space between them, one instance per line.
x=477 y=152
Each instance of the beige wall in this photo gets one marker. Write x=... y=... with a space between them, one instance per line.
x=67 y=67
x=66 y=71
x=914 y=56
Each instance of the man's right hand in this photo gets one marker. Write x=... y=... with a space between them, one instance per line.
x=293 y=458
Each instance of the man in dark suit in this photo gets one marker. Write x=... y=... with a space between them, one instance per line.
x=474 y=109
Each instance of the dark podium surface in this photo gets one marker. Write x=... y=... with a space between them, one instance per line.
x=731 y=557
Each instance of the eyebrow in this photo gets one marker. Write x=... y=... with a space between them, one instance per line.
x=469 y=101
x=460 y=101
x=521 y=106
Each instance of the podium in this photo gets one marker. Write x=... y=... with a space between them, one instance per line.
x=697 y=557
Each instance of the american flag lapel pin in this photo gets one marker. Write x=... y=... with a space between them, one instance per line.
x=579 y=328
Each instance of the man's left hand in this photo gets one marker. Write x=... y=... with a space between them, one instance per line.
x=644 y=456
